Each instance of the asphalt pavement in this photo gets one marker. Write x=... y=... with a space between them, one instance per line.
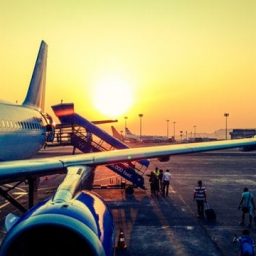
x=169 y=226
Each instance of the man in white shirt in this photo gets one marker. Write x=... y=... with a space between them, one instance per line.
x=166 y=182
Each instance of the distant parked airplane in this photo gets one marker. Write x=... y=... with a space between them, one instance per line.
x=147 y=138
x=130 y=137
x=116 y=134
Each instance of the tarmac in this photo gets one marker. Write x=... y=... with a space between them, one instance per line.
x=169 y=226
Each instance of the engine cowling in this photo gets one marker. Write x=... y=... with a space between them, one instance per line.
x=248 y=148
x=83 y=226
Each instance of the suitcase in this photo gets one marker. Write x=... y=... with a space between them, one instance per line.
x=209 y=213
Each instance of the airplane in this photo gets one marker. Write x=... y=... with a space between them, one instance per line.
x=146 y=138
x=24 y=129
x=73 y=221
x=117 y=135
x=131 y=137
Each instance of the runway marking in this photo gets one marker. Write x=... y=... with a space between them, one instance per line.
x=47 y=188
x=20 y=193
x=118 y=178
x=172 y=190
x=18 y=188
x=7 y=203
x=109 y=177
x=180 y=227
x=177 y=244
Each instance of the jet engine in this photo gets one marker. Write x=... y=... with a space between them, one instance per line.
x=248 y=148
x=82 y=226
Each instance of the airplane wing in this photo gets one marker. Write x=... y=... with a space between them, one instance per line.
x=104 y=121
x=78 y=221
x=14 y=170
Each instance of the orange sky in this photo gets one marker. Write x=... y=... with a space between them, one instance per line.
x=185 y=61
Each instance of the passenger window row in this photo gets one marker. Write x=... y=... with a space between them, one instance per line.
x=19 y=125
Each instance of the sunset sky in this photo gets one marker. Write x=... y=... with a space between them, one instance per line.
x=183 y=61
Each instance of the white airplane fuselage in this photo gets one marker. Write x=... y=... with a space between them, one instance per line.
x=146 y=138
x=22 y=131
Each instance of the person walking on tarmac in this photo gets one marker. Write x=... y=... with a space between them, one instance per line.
x=200 y=198
x=160 y=179
x=156 y=181
x=166 y=182
x=246 y=243
x=248 y=206
x=152 y=183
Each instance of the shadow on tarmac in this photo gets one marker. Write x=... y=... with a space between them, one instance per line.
x=160 y=226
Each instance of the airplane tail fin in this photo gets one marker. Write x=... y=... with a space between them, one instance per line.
x=36 y=92
x=116 y=134
x=128 y=132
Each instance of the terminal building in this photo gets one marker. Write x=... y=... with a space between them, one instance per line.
x=242 y=133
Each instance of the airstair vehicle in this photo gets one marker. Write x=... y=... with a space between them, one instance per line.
x=87 y=137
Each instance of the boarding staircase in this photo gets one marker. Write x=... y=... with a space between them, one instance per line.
x=87 y=137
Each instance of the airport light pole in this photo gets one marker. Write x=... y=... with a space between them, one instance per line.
x=194 y=131
x=174 y=130
x=125 y=124
x=226 y=115
x=167 y=131
x=181 y=134
x=140 y=116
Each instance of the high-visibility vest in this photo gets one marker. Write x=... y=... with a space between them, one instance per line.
x=157 y=172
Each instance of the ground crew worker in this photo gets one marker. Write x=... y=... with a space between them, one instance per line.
x=200 y=198
x=160 y=178
x=156 y=181
x=153 y=181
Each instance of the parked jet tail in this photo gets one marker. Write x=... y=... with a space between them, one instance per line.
x=128 y=132
x=36 y=92
x=116 y=134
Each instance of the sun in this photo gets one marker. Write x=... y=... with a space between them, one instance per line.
x=112 y=96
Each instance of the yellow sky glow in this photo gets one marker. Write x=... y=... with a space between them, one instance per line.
x=185 y=61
